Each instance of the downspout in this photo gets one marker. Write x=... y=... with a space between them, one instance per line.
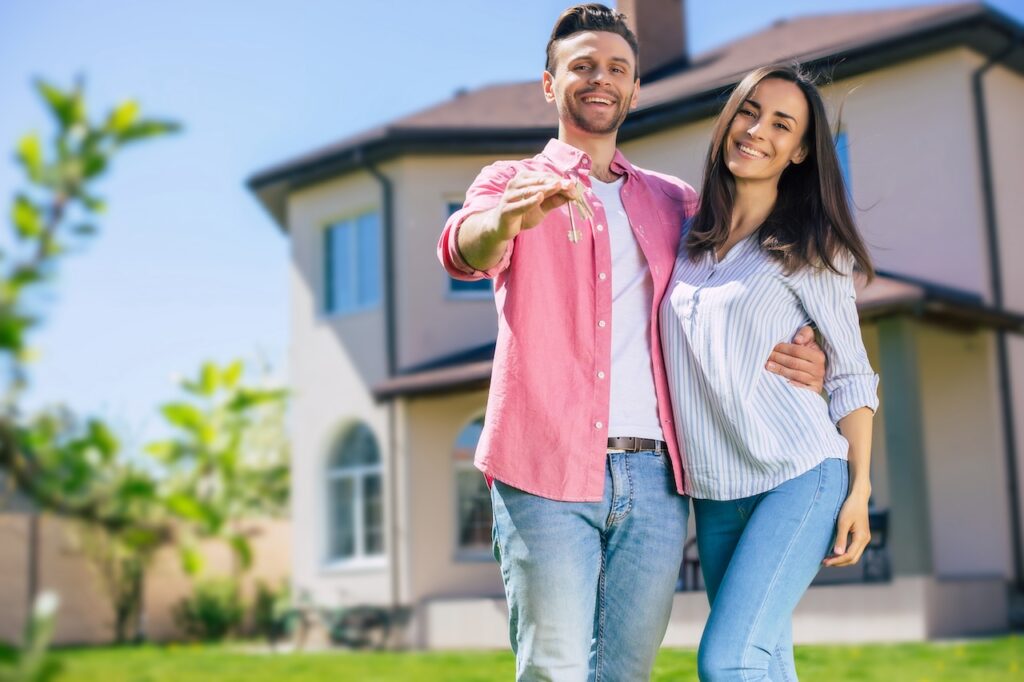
x=387 y=234
x=995 y=268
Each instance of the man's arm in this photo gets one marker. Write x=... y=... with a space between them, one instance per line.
x=802 y=361
x=528 y=197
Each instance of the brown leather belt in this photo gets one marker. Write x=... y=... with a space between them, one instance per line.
x=631 y=444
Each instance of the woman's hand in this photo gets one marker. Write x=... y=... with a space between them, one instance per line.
x=852 y=531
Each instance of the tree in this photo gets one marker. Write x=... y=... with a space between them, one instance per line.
x=227 y=458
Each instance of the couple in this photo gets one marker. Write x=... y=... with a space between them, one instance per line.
x=630 y=375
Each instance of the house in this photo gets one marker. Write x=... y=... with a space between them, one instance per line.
x=390 y=359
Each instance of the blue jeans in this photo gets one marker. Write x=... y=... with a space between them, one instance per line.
x=590 y=584
x=759 y=555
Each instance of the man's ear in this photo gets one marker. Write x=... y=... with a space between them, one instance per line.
x=548 y=83
x=635 y=99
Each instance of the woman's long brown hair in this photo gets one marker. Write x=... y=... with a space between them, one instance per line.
x=811 y=222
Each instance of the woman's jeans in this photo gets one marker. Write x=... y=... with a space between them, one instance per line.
x=759 y=555
x=590 y=584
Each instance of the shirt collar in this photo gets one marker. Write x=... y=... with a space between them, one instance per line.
x=566 y=158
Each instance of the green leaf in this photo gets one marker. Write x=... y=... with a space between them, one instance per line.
x=141 y=130
x=209 y=379
x=243 y=550
x=191 y=560
x=103 y=438
x=185 y=416
x=165 y=450
x=30 y=155
x=247 y=398
x=94 y=165
x=232 y=374
x=26 y=216
x=123 y=116
x=94 y=204
x=140 y=538
x=61 y=104
x=186 y=507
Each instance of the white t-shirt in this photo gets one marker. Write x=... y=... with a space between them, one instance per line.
x=634 y=404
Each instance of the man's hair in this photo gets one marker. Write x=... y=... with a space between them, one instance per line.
x=590 y=17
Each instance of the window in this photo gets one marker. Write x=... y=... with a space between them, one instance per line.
x=843 y=152
x=355 y=501
x=472 y=498
x=352 y=278
x=458 y=288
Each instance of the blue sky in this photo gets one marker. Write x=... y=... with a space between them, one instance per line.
x=188 y=266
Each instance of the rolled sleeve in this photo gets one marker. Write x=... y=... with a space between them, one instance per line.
x=483 y=195
x=830 y=300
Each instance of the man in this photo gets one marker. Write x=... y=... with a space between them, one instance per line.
x=587 y=480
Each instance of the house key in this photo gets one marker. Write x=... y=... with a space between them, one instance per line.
x=581 y=205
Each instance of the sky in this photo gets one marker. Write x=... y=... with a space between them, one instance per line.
x=188 y=267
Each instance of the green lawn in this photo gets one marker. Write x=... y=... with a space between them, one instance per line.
x=992 y=660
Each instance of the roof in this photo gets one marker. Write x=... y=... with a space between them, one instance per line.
x=514 y=119
x=888 y=295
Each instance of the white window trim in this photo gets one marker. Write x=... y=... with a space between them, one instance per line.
x=360 y=559
x=351 y=222
x=465 y=554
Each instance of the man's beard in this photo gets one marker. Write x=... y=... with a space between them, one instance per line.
x=580 y=120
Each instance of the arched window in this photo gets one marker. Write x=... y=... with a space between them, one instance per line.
x=355 y=505
x=472 y=499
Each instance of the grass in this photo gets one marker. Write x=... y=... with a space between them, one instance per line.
x=991 y=660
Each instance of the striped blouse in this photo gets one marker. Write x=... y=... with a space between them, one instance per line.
x=744 y=429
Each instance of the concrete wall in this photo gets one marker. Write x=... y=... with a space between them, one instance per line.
x=964 y=454
x=1004 y=91
x=334 y=361
x=85 y=615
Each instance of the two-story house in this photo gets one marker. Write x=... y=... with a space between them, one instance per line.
x=390 y=359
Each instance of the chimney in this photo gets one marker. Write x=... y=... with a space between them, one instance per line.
x=660 y=26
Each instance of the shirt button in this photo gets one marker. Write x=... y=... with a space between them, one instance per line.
x=602 y=276
x=600 y=375
x=598 y=425
x=601 y=324
x=600 y=228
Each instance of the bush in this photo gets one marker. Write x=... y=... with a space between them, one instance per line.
x=213 y=612
x=272 y=613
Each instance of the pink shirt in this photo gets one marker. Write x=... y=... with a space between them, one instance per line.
x=545 y=430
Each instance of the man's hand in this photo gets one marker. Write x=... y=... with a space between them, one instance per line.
x=528 y=197
x=802 y=362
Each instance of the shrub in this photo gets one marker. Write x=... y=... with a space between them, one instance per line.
x=213 y=612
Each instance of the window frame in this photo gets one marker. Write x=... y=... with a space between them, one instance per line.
x=471 y=553
x=451 y=205
x=327 y=306
x=358 y=474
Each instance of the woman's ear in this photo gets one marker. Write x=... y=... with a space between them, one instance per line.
x=800 y=154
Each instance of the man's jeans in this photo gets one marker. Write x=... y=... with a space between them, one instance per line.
x=590 y=584
x=759 y=555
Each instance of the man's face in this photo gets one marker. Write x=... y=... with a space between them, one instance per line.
x=594 y=85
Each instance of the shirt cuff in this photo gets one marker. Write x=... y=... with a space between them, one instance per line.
x=457 y=260
x=852 y=394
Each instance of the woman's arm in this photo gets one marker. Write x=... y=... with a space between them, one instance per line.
x=851 y=383
x=852 y=531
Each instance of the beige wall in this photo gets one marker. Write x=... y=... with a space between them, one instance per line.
x=85 y=615
x=1004 y=91
x=334 y=362
x=432 y=323
x=440 y=569
x=965 y=457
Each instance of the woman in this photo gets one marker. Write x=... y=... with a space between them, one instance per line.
x=772 y=247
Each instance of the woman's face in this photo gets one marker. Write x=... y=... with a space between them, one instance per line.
x=767 y=133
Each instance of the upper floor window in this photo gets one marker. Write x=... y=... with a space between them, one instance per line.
x=458 y=288
x=355 y=497
x=352 y=264
x=472 y=497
